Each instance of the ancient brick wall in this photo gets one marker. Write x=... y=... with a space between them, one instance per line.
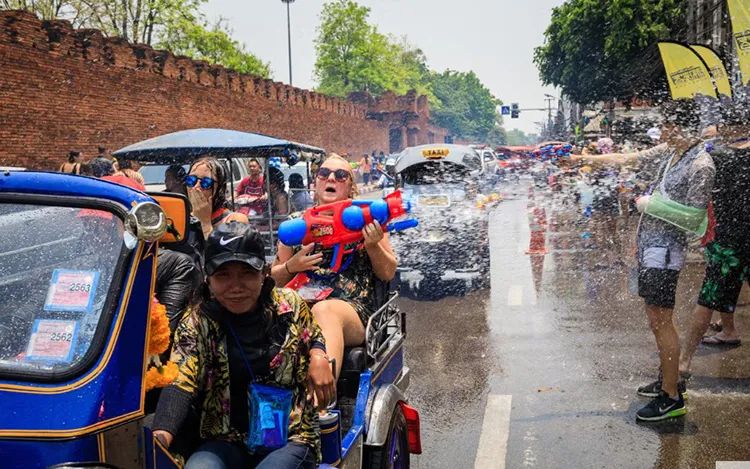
x=63 y=89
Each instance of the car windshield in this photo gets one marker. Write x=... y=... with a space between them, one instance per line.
x=53 y=284
x=154 y=174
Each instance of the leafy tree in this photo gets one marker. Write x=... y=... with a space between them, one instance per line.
x=213 y=44
x=601 y=49
x=465 y=106
x=352 y=55
x=176 y=25
x=517 y=137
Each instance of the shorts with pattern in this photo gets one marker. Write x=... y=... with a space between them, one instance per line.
x=727 y=269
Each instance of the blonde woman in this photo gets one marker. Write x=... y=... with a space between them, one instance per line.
x=344 y=314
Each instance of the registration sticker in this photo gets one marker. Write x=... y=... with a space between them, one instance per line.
x=52 y=340
x=434 y=201
x=72 y=290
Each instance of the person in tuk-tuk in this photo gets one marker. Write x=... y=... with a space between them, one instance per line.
x=301 y=199
x=206 y=184
x=344 y=314
x=242 y=337
x=251 y=195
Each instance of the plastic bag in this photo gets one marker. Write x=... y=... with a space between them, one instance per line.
x=269 y=409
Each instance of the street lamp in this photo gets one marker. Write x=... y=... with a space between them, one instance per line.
x=289 y=36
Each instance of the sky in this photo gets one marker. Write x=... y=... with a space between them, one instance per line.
x=494 y=38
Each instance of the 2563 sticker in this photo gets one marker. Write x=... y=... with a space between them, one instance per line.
x=72 y=290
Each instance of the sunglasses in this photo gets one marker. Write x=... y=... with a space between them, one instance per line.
x=341 y=175
x=206 y=183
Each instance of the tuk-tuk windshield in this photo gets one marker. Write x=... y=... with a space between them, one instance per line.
x=56 y=267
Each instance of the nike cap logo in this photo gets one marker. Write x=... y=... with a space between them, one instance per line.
x=224 y=242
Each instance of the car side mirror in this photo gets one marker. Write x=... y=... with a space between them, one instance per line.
x=178 y=216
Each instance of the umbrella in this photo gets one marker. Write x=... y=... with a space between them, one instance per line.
x=184 y=146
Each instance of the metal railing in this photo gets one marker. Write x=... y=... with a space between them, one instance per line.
x=382 y=326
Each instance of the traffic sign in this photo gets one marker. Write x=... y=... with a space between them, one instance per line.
x=505 y=110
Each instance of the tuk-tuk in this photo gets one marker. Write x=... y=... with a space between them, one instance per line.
x=75 y=318
x=443 y=184
x=234 y=150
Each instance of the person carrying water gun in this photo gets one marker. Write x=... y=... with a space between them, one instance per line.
x=346 y=298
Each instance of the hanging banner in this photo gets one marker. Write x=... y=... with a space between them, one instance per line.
x=716 y=67
x=739 y=12
x=687 y=74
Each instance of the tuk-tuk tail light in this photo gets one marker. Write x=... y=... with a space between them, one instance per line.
x=412 y=427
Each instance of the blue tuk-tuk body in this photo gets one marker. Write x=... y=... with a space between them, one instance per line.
x=82 y=404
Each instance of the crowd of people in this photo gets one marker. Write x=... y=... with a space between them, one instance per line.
x=236 y=332
x=692 y=183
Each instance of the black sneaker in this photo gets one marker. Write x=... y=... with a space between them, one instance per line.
x=662 y=408
x=652 y=390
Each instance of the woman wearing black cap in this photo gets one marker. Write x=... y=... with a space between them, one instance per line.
x=245 y=334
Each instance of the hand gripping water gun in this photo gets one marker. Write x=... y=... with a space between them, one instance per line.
x=344 y=225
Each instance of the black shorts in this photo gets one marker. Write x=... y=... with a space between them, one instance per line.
x=726 y=271
x=658 y=287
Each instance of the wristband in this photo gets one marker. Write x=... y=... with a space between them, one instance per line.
x=286 y=266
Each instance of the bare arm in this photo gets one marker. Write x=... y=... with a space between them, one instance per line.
x=379 y=250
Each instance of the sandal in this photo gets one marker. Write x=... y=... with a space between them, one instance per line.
x=716 y=340
x=716 y=326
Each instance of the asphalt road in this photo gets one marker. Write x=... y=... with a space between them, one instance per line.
x=541 y=370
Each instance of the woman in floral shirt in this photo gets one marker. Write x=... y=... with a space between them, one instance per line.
x=244 y=321
x=344 y=314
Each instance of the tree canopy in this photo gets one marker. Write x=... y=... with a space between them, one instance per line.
x=517 y=137
x=177 y=25
x=213 y=44
x=596 y=50
x=352 y=55
x=464 y=105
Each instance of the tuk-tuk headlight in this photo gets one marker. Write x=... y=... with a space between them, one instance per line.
x=146 y=221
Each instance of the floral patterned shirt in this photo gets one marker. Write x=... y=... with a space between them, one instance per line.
x=200 y=351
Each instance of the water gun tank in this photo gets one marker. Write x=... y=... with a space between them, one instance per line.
x=292 y=232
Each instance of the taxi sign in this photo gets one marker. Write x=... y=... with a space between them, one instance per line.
x=435 y=153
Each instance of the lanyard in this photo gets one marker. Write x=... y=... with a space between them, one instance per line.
x=244 y=357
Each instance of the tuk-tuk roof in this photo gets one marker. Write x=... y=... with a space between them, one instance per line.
x=59 y=184
x=456 y=154
x=184 y=146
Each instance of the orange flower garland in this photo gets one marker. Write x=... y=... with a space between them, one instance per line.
x=159 y=375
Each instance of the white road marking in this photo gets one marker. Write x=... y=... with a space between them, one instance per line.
x=493 y=442
x=515 y=295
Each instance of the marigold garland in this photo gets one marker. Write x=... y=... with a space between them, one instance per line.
x=159 y=375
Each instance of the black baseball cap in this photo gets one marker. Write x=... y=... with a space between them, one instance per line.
x=234 y=242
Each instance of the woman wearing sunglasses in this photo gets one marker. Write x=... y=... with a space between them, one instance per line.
x=206 y=184
x=342 y=316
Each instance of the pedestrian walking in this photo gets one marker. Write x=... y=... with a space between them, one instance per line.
x=728 y=253
x=677 y=206
x=365 y=166
x=73 y=165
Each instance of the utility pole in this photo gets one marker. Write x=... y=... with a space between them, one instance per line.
x=289 y=36
x=549 y=98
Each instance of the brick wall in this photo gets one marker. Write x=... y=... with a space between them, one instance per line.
x=63 y=89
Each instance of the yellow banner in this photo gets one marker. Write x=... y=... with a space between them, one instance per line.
x=716 y=67
x=686 y=73
x=739 y=12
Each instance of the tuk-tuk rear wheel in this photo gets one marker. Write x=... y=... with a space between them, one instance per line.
x=394 y=454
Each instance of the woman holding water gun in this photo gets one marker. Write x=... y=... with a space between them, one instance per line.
x=344 y=312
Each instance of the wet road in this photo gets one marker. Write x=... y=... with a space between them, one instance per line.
x=549 y=359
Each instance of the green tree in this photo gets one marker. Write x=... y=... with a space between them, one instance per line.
x=352 y=55
x=176 y=25
x=517 y=137
x=213 y=44
x=596 y=50
x=464 y=105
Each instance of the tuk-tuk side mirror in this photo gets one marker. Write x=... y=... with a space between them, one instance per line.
x=178 y=216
